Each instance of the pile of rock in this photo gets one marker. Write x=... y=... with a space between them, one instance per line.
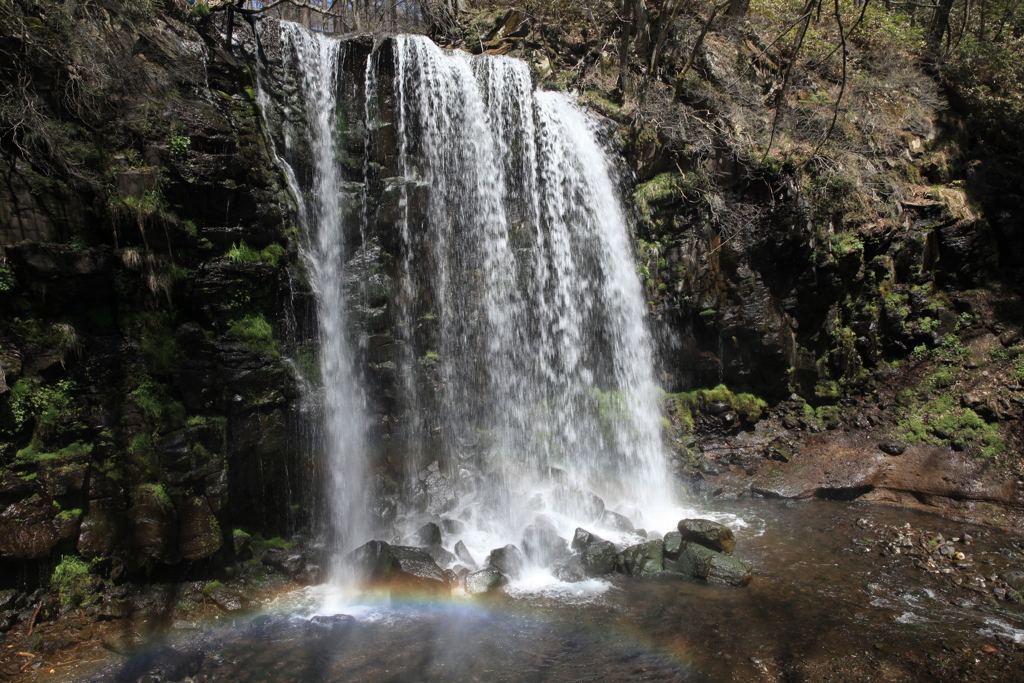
x=697 y=549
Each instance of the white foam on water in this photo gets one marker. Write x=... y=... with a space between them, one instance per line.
x=998 y=627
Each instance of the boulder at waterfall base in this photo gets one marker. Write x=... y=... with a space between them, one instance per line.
x=398 y=568
x=699 y=562
x=507 y=560
x=488 y=580
x=642 y=559
x=542 y=544
x=709 y=534
x=597 y=555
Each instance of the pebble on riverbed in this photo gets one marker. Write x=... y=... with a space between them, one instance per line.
x=946 y=558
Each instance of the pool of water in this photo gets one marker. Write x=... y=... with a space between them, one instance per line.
x=832 y=599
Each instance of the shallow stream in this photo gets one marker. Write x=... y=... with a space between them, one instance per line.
x=831 y=600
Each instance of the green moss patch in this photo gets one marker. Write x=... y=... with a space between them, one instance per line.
x=683 y=406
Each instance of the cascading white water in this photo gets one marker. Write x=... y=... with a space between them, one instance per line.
x=514 y=252
x=541 y=339
x=325 y=204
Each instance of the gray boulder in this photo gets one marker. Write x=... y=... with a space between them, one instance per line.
x=462 y=552
x=428 y=534
x=488 y=580
x=708 y=534
x=440 y=494
x=674 y=543
x=570 y=570
x=542 y=544
x=699 y=562
x=441 y=556
x=615 y=521
x=507 y=560
x=577 y=504
x=398 y=567
x=642 y=559
x=597 y=555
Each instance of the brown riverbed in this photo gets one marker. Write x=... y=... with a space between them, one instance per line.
x=843 y=592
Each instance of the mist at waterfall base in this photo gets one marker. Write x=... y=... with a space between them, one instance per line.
x=514 y=249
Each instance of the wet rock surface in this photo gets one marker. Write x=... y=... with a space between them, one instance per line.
x=488 y=580
x=708 y=533
x=597 y=555
x=507 y=560
x=399 y=568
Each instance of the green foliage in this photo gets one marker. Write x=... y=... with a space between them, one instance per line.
x=827 y=391
x=161 y=411
x=7 y=280
x=683 y=406
x=72 y=581
x=19 y=407
x=260 y=545
x=199 y=10
x=431 y=357
x=846 y=243
x=602 y=104
x=156 y=340
x=142 y=453
x=255 y=331
x=178 y=145
x=610 y=405
x=941 y=420
x=667 y=187
x=243 y=253
x=887 y=32
x=33 y=453
x=158 y=491
x=50 y=405
x=69 y=515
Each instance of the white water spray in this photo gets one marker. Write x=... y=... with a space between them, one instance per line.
x=514 y=254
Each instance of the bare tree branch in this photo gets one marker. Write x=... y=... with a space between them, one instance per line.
x=697 y=46
x=780 y=102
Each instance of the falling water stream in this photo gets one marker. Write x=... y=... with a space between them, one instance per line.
x=514 y=248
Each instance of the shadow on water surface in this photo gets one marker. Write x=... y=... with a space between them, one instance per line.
x=831 y=601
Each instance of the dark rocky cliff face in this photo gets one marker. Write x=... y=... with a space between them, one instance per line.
x=150 y=298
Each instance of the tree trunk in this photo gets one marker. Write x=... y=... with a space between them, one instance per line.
x=642 y=31
x=940 y=24
x=624 y=48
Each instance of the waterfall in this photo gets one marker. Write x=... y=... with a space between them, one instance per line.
x=524 y=369
x=326 y=205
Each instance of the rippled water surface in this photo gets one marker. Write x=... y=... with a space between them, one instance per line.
x=826 y=604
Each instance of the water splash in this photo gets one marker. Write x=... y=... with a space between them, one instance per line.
x=326 y=206
x=526 y=374
x=523 y=253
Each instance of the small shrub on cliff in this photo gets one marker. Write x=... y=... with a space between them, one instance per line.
x=199 y=11
x=7 y=281
x=243 y=253
x=50 y=405
x=33 y=453
x=665 y=188
x=163 y=412
x=683 y=406
x=178 y=145
x=255 y=331
x=943 y=421
x=72 y=581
